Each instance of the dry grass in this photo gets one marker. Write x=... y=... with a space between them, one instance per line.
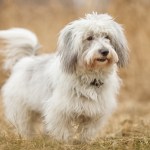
x=129 y=127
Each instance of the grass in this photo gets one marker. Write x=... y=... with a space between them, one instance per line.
x=126 y=143
x=127 y=129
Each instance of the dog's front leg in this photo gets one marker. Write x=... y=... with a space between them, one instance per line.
x=90 y=129
x=58 y=125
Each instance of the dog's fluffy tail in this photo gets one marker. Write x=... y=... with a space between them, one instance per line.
x=19 y=43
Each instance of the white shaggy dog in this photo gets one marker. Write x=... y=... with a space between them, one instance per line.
x=76 y=86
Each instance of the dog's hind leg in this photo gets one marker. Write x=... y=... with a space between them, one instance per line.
x=20 y=116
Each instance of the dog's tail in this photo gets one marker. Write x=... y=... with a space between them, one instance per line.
x=19 y=43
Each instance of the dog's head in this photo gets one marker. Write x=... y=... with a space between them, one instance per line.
x=93 y=42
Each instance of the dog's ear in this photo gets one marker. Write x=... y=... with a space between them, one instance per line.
x=67 y=49
x=119 y=43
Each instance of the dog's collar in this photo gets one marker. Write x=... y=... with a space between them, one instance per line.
x=97 y=83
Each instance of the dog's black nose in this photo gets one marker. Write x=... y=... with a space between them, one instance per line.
x=104 y=52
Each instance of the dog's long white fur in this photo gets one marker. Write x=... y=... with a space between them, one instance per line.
x=58 y=86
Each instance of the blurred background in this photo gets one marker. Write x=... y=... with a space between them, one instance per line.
x=47 y=17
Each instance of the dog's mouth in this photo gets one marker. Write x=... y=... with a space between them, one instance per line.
x=101 y=59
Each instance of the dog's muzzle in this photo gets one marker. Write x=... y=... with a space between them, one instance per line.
x=103 y=53
x=100 y=57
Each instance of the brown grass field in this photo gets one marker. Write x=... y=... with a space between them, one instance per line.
x=129 y=127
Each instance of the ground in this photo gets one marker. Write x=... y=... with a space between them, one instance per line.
x=127 y=129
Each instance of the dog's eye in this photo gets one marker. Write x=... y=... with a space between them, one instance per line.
x=90 y=38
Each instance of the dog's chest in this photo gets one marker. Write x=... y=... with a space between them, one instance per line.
x=87 y=92
x=87 y=101
x=83 y=109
